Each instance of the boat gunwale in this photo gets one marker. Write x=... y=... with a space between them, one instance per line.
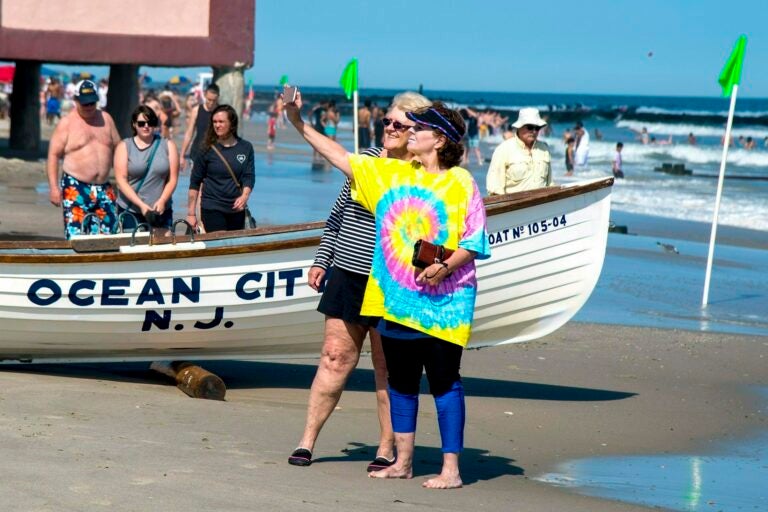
x=495 y=205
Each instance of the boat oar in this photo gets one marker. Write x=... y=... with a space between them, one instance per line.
x=193 y=380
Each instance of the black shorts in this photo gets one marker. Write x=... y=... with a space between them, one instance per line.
x=343 y=297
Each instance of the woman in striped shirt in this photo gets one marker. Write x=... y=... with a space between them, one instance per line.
x=345 y=254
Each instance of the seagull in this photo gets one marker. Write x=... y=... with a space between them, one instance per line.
x=668 y=247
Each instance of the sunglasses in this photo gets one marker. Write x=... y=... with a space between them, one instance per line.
x=532 y=127
x=397 y=125
x=142 y=124
x=88 y=104
x=422 y=128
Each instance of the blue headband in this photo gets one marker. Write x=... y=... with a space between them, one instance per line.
x=434 y=119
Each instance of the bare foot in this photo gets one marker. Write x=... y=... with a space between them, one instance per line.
x=443 y=482
x=393 y=472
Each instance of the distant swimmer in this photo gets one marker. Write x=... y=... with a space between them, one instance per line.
x=749 y=144
x=667 y=142
x=330 y=120
x=643 y=136
x=364 y=125
x=570 y=146
x=84 y=140
x=691 y=139
x=617 y=161
x=271 y=130
x=581 y=156
x=567 y=135
x=471 y=140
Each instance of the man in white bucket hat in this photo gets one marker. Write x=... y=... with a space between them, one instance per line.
x=521 y=162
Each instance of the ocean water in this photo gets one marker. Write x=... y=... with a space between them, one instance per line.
x=732 y=477
x=619 y=118
x=642 y=284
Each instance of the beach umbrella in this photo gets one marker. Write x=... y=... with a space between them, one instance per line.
x=46 y=71
x=6 y=73
x=82 y=75
x=178 y=80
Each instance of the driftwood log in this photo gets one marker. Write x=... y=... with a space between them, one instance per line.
x=193 y=380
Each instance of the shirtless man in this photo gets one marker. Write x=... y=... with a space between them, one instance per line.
x=85 y=139
x=364 y=125
x=171 y=109
x=197 y=124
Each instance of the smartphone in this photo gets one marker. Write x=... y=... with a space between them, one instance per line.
x=289 y=94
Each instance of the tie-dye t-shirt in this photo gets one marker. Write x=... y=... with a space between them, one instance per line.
x=409 y=204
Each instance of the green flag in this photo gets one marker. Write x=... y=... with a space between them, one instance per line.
x=731 y=73
x=348 y=79
x=283 y=80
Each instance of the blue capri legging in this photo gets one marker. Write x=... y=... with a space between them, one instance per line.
x=407 y=357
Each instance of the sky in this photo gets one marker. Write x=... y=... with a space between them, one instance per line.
x=647 y=47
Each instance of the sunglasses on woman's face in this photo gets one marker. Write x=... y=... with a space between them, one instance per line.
x=422 y=128
x=397 y=125
x=142 y=124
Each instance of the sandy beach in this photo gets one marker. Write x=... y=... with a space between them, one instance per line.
x=118 y=437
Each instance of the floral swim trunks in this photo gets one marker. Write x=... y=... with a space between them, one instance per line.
x=79 y=199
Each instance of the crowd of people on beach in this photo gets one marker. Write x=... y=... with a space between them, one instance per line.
x=647 y=139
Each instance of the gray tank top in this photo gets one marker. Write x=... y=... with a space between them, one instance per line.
x=157 y=176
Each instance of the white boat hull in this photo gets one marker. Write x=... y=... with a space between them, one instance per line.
x=251 y=301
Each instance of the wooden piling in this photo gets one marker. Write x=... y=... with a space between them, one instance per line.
x=193 y=380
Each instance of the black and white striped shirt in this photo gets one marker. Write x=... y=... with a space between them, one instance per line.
x=350 y=232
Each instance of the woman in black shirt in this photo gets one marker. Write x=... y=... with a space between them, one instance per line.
x=225 y=194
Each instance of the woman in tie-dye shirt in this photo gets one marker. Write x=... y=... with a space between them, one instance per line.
x=426 y=314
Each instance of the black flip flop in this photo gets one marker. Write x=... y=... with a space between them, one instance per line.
x=300 y=457
x=380 y=463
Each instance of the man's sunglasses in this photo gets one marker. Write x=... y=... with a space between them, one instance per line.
x=397 y=125
x=532 y=127
x=142 y=124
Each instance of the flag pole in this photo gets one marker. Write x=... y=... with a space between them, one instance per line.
x=355 y=130
x=720 y=179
